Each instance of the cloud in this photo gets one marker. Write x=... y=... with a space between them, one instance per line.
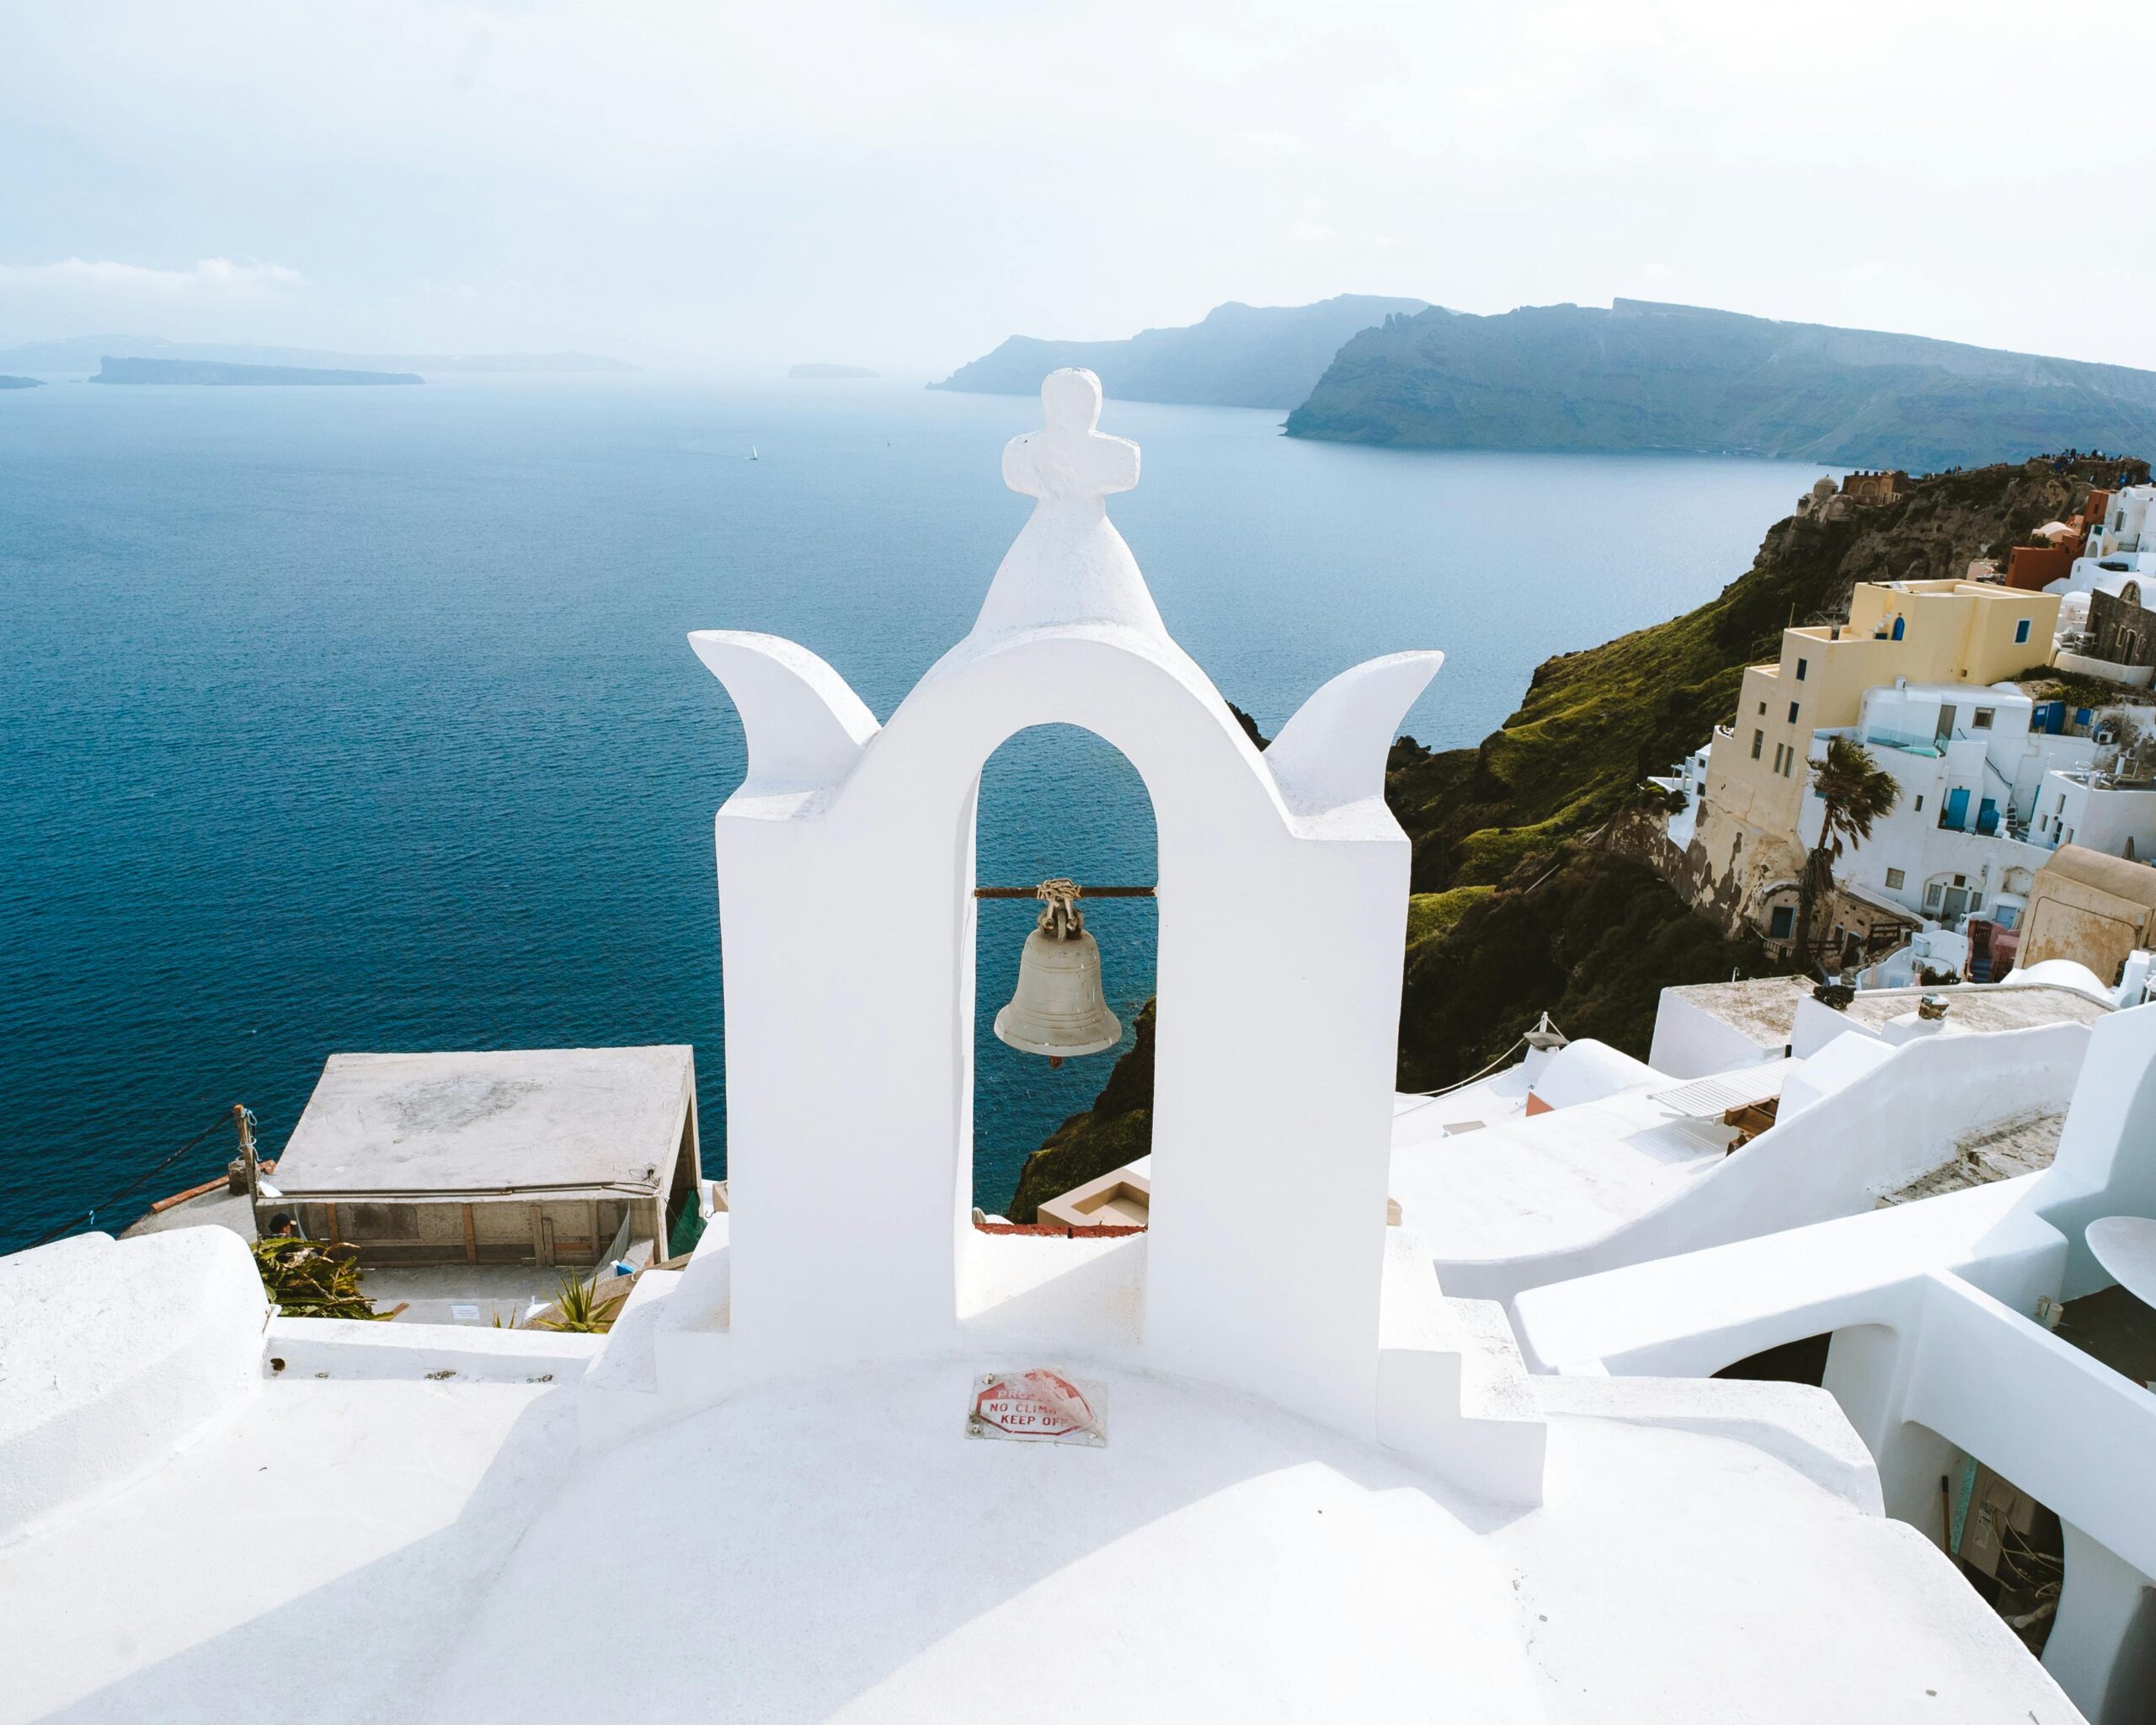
x=914 y=179
x=212 y=280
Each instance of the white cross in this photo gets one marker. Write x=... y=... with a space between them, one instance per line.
x=1068 y=459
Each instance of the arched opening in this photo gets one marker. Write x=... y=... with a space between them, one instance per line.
x=1800 y=1362
x=1058 y=800
x=2010 y=1548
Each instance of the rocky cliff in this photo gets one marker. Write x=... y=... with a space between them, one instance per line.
x=1642 y=375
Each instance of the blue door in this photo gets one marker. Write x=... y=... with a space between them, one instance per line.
x=1986 y=817
x=1897 y=629
x=1955 y=813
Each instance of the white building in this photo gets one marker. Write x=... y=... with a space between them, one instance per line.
x=1971 y=771
x=1985 y=797
x=1689 y=781
x=2123 y=545
x=1255 y=1470
x=2088 y=805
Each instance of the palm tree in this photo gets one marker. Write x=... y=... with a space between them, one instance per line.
x=1857 y=791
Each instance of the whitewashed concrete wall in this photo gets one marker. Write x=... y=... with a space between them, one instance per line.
x=2101 y=818
x=1691 y=1042
x=114 y=1354
x=1833 y=1159
x=2132 y=676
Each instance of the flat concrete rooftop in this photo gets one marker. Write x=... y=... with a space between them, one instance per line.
x=560 y=1120
x=1520 y=1185
x=1983 y=1005
x=1764 y=1007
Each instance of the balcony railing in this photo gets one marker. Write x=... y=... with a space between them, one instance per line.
x=1908 y=742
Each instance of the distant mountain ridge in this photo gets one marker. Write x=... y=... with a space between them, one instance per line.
x=223 y=372
x=1239 y=355
x=1646 y=376
x=85 y=352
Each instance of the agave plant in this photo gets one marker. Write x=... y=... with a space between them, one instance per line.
x=304 y=1278
x=579 y=1306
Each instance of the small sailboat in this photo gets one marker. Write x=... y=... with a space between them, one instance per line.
x=752 y=455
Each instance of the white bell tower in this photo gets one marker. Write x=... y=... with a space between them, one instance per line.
x=1283 y=893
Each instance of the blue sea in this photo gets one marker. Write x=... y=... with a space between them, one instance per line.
x=363 y=718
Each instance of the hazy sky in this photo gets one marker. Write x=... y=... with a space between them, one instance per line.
x=903 y=185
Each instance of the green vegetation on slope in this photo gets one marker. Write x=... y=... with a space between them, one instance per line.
x=1430 y=914
x=1589 y=937
x=1642 y=375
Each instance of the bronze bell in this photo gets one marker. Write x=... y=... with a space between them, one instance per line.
x=1058 y=1009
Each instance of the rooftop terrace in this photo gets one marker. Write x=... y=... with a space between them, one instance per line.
x=1763 y=1008
x=534 y=1119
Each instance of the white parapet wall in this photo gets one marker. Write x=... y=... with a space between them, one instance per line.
x=113 y=1355
x=1835 y=1158
x=353 y=1348
x=2132 y=676
x=1690 y=1041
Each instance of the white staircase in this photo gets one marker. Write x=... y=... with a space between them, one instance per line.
x=1453 y=1392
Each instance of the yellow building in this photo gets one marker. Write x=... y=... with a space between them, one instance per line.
x=1926 y=632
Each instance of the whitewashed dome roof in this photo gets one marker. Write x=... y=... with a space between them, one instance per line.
x=1588 y=1071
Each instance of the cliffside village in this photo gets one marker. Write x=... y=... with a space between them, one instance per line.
x=2012 y=710
x=1799 y=1371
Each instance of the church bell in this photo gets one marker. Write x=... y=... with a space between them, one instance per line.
x=1058 y=1009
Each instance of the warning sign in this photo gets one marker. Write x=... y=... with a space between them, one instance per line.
x=1036 y=1406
